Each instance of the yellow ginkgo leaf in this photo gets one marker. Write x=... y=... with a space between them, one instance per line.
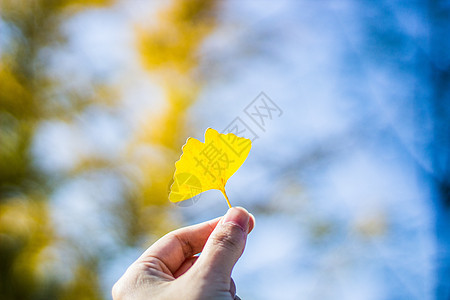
x=208 y=165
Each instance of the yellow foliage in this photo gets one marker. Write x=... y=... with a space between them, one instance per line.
x=208 y=165
x=170 y=52
x=181 y=29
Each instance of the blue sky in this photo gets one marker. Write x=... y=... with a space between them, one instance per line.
x=342 y=206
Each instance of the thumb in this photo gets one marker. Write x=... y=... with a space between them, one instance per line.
x=225 y=244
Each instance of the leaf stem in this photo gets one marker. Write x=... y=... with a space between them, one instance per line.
x=226 y=198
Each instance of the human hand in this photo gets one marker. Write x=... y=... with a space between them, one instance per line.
x=169 y=269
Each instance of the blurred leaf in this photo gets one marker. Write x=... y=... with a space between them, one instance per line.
x=180 y=32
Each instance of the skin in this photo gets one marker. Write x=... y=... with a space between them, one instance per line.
x=170 y=268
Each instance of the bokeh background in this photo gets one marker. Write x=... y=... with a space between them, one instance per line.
x=349 y=185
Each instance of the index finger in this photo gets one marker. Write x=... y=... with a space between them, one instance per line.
x=176 y=246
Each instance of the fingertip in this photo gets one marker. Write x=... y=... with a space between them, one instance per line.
x=251 y=222
x=238 y=216
x=250 y=218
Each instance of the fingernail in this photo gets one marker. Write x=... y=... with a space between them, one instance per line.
x=238 y=216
